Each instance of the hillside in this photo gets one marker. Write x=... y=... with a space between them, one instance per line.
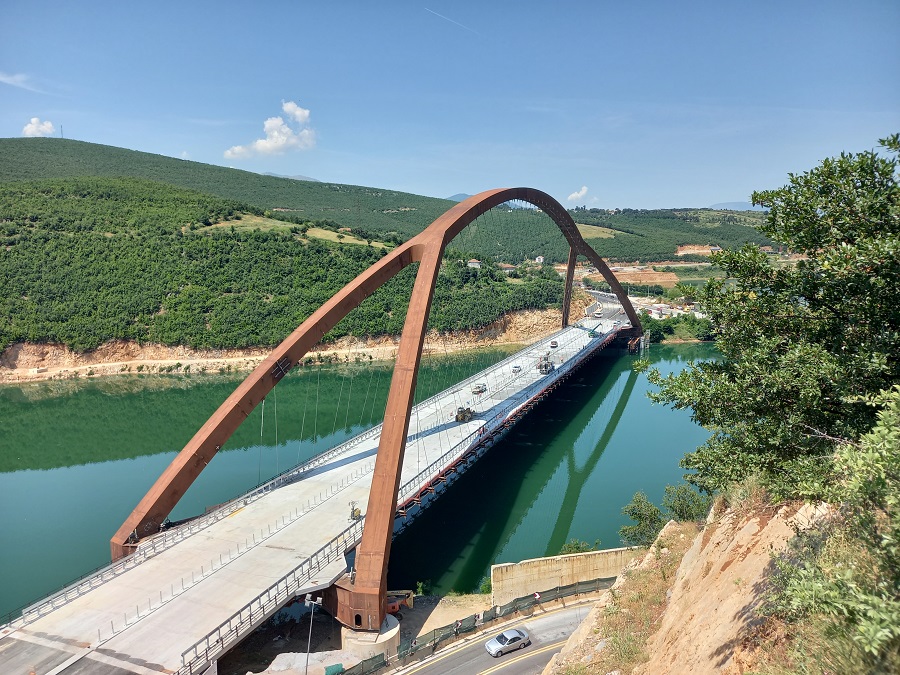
x=504 y=235
x=87 y=260
x=379 y=210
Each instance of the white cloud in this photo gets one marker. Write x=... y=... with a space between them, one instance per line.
x=299 y=114
x=280 y=136
x=37 y=128
x=185 y=154
x=18 y=80
x=575 y=196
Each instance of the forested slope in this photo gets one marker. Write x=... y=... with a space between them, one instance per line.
x=503 y=235
x=375 y=209
x=85 y=260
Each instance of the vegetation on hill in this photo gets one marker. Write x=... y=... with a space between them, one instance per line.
x=805 y=403
x=506 y=234
x=382 y=211
x=86 y=260
x=655 y=235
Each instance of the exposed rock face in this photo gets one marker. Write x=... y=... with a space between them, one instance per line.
x=711 y=609
x=719 y=585
x=29 y=361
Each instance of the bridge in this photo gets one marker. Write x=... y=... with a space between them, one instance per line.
x=176 y=600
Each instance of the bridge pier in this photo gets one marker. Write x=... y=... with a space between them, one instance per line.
x=366 y=644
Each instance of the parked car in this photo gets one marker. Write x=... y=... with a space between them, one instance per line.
x=554 y=344
x=479 y=388
x=516 y=369
x=507 y=641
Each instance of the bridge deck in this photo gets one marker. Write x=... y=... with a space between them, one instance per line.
x=190 y=593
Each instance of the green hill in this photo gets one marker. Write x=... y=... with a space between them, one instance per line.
x=85 y=260
x=379 y=211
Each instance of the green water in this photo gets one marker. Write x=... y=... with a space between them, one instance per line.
x=75 y=458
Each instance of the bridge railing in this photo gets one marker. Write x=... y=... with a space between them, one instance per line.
x=155 y=545
x=432 y=469
x=201 y=653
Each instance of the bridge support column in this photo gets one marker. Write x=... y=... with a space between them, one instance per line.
x=361 y=598
x=366 y=645
x=567 y=295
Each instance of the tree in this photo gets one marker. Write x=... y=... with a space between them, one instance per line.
x=578 y=546
x=802 y=345
x=680 y=502
x=848 y=569
x=649 y=521
x=684 y=504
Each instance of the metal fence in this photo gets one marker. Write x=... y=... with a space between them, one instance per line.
x=425 y=645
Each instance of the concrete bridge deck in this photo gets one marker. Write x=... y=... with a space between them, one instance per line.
x=190 y=593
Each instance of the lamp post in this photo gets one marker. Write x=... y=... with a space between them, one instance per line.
x=311 y=603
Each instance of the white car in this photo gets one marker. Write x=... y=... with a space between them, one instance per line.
x=516 y=369
x=507 y=641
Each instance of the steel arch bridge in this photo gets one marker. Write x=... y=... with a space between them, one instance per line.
x=360 y=599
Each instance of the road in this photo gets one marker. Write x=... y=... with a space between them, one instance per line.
x=548 y=630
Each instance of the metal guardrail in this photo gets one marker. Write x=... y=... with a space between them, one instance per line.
x=198 y=656
x=423 y=646
x=159 y=543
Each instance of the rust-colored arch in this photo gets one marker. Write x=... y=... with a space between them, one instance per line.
x=365 y=597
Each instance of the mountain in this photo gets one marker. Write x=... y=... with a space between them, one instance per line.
x=737 y=206
x=459 y=197
x=367 y=209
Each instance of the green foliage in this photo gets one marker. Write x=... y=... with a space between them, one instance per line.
x=800 y=344
x=683 y=503
x=485 y=587
x=654 y=235
x=849 y=570
x=681 y=326
x=92 y=259
x=680 y=502
x=649 y=521
x=579 y=546
x=353 y=206
x=503 y=235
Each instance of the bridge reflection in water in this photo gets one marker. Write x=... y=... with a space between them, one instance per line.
x=166 y=605
x=290 y=536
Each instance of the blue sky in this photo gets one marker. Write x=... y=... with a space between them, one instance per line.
x=617 y=104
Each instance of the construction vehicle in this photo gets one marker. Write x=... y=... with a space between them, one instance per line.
x=464 y=414
x=545 y=365
x=398 y=599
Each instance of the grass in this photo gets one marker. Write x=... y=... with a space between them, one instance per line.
x=595 y=231
x=814 y=643
x=341 y=237
x=632 y=615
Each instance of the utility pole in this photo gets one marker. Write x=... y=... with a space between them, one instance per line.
x=309 y=602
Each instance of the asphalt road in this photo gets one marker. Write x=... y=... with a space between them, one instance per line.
x=548 y=631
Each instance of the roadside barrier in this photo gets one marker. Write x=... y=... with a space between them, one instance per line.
x=425 y=645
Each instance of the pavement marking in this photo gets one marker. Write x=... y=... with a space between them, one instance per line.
x=524 y=655
x=465 y=642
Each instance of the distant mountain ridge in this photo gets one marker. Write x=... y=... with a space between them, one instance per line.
x=375 y=210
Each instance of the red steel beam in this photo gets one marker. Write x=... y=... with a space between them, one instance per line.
x=360 y=600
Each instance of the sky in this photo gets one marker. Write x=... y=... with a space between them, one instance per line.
x=601 y=103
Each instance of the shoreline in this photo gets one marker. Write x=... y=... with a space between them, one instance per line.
x=23 y=363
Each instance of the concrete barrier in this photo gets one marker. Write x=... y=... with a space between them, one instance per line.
x=513 y=580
